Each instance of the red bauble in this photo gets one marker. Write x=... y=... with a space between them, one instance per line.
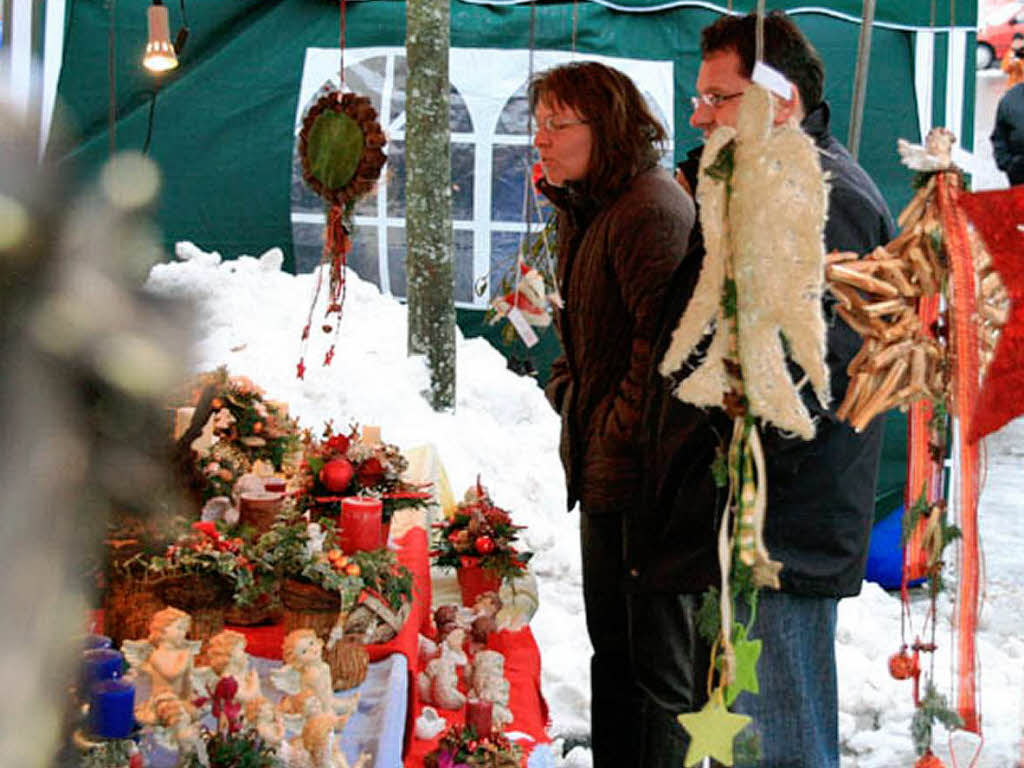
x=370 y=472
x=902 y=665
x=484 y=545
x=929 y=760
x=337 y=474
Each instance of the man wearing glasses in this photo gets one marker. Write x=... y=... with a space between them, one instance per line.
x=820 y=493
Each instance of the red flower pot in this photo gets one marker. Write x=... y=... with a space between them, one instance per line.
x=475 y=580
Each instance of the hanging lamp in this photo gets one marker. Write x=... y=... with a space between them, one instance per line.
x=160 y=55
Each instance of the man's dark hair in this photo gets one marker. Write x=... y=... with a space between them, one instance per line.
x=625 y=133
x=785 y=49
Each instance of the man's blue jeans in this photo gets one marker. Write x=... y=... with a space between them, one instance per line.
x=796 y=712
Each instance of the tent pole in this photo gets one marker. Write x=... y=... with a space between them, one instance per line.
x=860 y=80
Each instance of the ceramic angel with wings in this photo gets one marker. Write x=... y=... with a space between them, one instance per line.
x=167 y=659
x=226 y=657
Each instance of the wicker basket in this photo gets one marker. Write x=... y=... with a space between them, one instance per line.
x=349 y=662
x=307 y=606
x=128 y=605
x=204 y=596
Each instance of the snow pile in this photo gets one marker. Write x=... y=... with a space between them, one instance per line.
x=249 y=316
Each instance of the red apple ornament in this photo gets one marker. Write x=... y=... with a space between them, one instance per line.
x=336 y=475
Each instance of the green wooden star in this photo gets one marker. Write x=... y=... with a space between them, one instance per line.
x=747 y=653
x=712 y=731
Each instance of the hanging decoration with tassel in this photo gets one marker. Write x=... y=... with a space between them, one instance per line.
x=341 y=148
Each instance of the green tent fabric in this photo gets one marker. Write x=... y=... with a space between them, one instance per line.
x=221 y=127
x=223 y=122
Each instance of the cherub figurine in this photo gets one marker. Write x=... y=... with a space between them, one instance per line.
x=486 y=676
x=260 y=714
x=439 y=683
x=317 y=746
x=306 y=678
x=451 y=641
x=167 y=658
x=227 y=658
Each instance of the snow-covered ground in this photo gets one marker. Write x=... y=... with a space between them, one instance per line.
x=249 y=315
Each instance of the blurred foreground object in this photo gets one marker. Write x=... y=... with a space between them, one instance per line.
x=87 y=358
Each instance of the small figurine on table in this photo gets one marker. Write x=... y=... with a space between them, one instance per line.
x=227 y=658
x=487 y=680
x=318 y=747
x=260 y=714
x=166 y=658
x=306 y=678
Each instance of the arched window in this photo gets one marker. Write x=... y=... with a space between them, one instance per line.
x=490 y=156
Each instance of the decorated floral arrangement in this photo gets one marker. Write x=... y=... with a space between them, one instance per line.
x=339 y=465
x=460 y=748
x=234 y=743
x=205 y=551
x=480 y=533
x=248 y=429
x=311 y=552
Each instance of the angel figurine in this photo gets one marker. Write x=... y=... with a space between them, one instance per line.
x=487 y=681
x=227 y=658
x=318 y=746
x=260 y=714
x=166 y=658
x=306 y=679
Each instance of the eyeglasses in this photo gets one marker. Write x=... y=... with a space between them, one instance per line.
x=713 y=100
x=554 y=124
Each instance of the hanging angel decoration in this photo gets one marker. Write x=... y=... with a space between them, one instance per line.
x=756 y=309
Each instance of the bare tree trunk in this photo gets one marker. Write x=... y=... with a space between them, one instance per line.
x=428 y=260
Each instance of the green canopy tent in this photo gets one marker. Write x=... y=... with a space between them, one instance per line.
x=222 y=125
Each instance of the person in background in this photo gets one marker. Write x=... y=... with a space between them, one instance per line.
x=1008 y=134
x=820 y=493
x=622 y=228
x=1013 y=61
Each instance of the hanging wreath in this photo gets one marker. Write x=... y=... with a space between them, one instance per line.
x=341 y=145
x=341 y=149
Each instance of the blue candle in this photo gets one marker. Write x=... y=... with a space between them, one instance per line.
x=95 y=642
x=100 y=664
x=111 y=705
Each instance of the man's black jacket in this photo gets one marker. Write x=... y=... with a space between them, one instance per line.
x=820 y=492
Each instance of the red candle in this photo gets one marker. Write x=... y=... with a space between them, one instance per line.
x=360 y=523
x=478 y=716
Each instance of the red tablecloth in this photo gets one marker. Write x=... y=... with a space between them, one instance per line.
x=529 y=710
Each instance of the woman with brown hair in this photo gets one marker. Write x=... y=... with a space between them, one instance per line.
x=623 y=226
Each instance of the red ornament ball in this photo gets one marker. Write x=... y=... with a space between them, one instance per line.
x=902 y=665
x=929 y=760
x=484 y=545
x=337 y=474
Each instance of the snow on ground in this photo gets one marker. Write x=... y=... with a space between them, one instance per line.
x=249 y=315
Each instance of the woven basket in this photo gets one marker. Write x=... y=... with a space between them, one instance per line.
x=192 y=592
x=307 y=606
x=306 y=597
x=349 y=662
x=128 y=605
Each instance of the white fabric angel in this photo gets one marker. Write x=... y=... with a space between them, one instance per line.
x=763 y=227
